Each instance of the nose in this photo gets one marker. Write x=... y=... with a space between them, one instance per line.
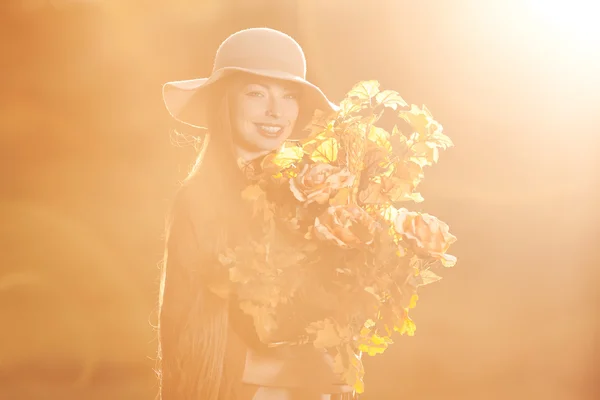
x=273 y=108
x=271 y=113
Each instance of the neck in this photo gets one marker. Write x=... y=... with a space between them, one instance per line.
x=245 y=156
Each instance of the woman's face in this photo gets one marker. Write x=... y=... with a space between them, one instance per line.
x=265 y=114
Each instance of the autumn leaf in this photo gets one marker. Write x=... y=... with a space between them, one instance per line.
x=372 y=343
x=237 y=275
x=348 y=106
x=413 y=300
x=391 y=99
x=389 y=213
x=356 y=370
x=427 y=277
x=317 y=129
x=377 y=162
x=397 y=189
x=407 y=326
x=448 y=261
x=252 y=193
x=399 y=144
x=373 y=291
x=228 y=257
x=322 y=149
x=373 y=349
x=258 y=197
x=287 y=156
x=410 y=171
x=381 y=137
x=383 y=190
x=372 y=194
x=424 y=153
x=341 y=198
x=426 y=129
x=364 y=90
x=326 y=334
x=264 y=320
x=419 y=119
x=359 y=386
x=440 y=140
x=347 y=363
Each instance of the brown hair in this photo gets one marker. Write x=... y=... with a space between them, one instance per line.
x=198 y=356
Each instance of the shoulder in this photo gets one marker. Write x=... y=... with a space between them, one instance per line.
x=190 y=223
x=185 y=202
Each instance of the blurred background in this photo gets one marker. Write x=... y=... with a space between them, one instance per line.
x=88 y=169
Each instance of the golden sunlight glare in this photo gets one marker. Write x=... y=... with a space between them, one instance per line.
x=575 y=21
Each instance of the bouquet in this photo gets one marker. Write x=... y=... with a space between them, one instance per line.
x=336 y=260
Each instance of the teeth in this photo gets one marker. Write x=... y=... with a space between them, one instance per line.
x=270 y=128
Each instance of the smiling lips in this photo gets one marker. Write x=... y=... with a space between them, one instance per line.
x=270 y=130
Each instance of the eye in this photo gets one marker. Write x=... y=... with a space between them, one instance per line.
x=292 y=96
x=255 y=93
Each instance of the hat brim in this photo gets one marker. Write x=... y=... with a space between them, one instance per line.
x=178 y=94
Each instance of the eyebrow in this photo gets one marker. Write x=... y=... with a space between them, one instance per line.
x=290 y=87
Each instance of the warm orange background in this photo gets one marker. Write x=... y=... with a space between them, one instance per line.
x=88 y=169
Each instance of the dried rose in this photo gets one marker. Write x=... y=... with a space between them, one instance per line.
x=346 y=225
x=316 y=182
x=426 y=234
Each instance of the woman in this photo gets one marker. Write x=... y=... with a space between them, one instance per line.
x=255 y=98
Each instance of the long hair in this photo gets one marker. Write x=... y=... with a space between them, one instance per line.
x=193 y=322
x=198 y=356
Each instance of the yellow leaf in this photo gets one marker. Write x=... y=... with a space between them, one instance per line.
x=371 y=349
x=427 y=276
x=426 y=129
x=391 y=99
x=424 y=153
x=389 y=213
x=372 y=194
x=252 y=193
x=441 y=140
x=264 y=320
x=413 y=300
x=359 y=386
x=347 y=106
x=377 y=162
x=322 y=150
x=416 y=118
x=379 y=340
x=338 y=364
x=228 y=257
x=448 y=260
x=341 y=198
x=375 y=344
x=381 y=137
x=287 y=156
x=410 y=171
x=408 y=326
x=320 y=128
x=326 y=334
x=371 y=290
x=365 y=331
x=369 y=324
x=416 y=197
x=364 y=90
x=397 y=189
x=356 y=370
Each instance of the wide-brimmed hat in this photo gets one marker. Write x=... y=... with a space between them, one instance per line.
x=262 y=52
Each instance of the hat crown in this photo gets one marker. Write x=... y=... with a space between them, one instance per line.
x=261 y=49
